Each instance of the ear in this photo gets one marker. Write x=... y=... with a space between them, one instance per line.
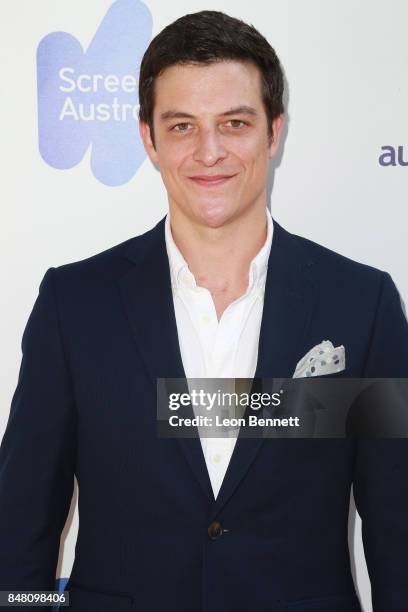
x=277 y=125
x=144 y=131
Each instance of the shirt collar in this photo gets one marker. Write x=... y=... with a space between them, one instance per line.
x=181 y=274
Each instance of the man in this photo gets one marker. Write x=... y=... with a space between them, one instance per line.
x=216 y=289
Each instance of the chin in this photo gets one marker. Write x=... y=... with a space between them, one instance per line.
x=215 y=218
x=213 y=215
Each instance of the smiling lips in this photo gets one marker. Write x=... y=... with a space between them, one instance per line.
x=211 y=180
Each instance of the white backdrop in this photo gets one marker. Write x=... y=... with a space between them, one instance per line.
x=346 y=69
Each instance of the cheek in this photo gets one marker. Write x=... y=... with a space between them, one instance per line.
x=172 y=158
x=252 y=151
x=256 y=163
x=171 y=170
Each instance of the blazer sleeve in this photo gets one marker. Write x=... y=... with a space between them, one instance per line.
x=380 y=476
x=37 y=453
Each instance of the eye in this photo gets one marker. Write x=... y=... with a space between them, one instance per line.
x=181 y=127
x=236 y=123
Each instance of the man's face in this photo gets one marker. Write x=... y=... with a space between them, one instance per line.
x=211 y=140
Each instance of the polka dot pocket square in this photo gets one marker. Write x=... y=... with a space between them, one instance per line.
x=324 y=358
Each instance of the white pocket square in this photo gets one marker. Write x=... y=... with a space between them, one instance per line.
x=324 y=358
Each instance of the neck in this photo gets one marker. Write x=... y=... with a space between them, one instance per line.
x=219 y=258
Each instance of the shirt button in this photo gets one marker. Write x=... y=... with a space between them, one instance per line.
x=205 y=319
x=216 y=458
x=214 y=530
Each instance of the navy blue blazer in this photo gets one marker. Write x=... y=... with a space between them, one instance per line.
x=151 y=535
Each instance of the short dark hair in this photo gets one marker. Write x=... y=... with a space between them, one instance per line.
x=207 y=37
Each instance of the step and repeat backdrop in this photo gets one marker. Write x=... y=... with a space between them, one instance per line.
x=75 y=179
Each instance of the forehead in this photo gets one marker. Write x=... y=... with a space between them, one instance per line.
x=206 y=88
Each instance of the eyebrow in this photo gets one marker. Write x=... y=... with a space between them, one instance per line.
x=239 y=110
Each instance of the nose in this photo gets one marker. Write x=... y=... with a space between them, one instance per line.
x=209 y=148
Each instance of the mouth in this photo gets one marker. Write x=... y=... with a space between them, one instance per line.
x=211 y=180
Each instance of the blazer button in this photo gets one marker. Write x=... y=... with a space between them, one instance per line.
x=214 y=530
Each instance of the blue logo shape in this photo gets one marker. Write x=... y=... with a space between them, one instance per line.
x=60 y=584
x=91 y=97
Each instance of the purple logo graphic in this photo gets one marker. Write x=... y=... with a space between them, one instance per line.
x=392 y=156
x=90 y=97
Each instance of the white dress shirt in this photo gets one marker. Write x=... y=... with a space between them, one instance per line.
x=209 y=348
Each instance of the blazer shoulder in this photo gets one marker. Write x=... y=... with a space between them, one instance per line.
x=330 y=262
x=114 y=260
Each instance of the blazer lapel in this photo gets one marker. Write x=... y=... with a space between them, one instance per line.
x=148 y=301
x=290 y=294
